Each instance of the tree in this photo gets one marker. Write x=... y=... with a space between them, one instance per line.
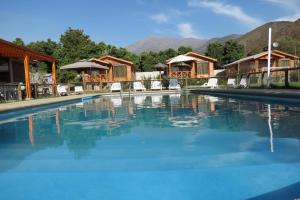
x=48 y=47
x=232 y=51
x=289 y=45
x=19 y=42
x=183 y=50
x=216 y=50
x=75 y=45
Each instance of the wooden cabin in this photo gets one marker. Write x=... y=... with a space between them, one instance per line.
x=259 y=63
x=191 y=65
x=119 y=69
x=15 y=61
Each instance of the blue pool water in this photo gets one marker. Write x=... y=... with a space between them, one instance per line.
x=152 y=147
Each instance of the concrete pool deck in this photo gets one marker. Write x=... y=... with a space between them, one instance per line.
x=17 y=105
x=270 y=93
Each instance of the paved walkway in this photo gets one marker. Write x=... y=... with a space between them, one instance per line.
x=278 y=93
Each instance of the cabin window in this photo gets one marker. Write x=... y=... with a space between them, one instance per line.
x=284 y=62
x=203 y=67
x=120 y=71
x=3 y=65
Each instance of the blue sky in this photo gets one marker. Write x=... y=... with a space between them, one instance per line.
x=121 y=23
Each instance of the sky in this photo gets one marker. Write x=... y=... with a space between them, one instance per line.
x=123 y=22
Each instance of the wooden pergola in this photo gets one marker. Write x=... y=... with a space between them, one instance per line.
x=11 y=50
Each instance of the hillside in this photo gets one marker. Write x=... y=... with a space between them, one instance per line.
x=158 y=43
x=254 y=40
x=257 y=39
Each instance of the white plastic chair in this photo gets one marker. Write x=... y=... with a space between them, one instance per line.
x=243 y=82
x=138 y=86
x=115 y=87
x=156 y=85
x=78 y=90
x=231 y=81
x=173 y=85
x=212 y=83
x=61 y=90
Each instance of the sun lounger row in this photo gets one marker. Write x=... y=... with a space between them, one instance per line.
x=155 y=85
x=62 y=90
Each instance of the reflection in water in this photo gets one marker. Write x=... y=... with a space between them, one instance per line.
x=81 y=126
x=270 y=128
x=30 y=129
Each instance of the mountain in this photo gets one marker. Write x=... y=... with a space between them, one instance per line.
x=257 y=39
x=254 y=41
x=221 y=40
x=158 y=43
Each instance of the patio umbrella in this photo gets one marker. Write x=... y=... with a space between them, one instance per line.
x=160 y=66
x=182 y=64
x=83 y=64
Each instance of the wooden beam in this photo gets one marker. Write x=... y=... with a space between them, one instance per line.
x=53 y=78
x=27 y=77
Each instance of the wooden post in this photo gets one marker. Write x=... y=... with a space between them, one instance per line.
x=68 y=91
x=19 y=92
x=286 y=78
x=54 y=92
x=27 y=77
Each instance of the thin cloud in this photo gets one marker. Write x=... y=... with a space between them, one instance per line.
x=166 y=16
x=186 y=30
x=160 y=18
x=228 y=10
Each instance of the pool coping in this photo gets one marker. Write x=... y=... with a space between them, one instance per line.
x=287 y=94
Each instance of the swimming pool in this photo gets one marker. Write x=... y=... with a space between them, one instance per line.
x=177 y=146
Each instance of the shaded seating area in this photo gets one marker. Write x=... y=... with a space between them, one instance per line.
x=15 y=69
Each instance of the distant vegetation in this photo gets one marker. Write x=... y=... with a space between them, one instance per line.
x=75 y=45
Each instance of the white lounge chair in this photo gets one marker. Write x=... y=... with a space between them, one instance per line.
x=231 y=82
x=61 y=90
x=212 y=83
x=156 y=85
x=138 y=86
x=173 y=85
x=115 y=87
x=78 y=90
x=243 y=83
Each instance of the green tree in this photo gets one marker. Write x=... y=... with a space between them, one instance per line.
x=75 y=45
x=48 y=47
x=19 y=41
x=232 y=51
x=216 y=50
x=289 y=45
x=183 y=50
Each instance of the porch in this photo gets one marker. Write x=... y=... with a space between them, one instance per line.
x=15 y=67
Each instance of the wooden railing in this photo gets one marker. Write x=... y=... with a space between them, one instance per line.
x=180 y=74
x=99 y=78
